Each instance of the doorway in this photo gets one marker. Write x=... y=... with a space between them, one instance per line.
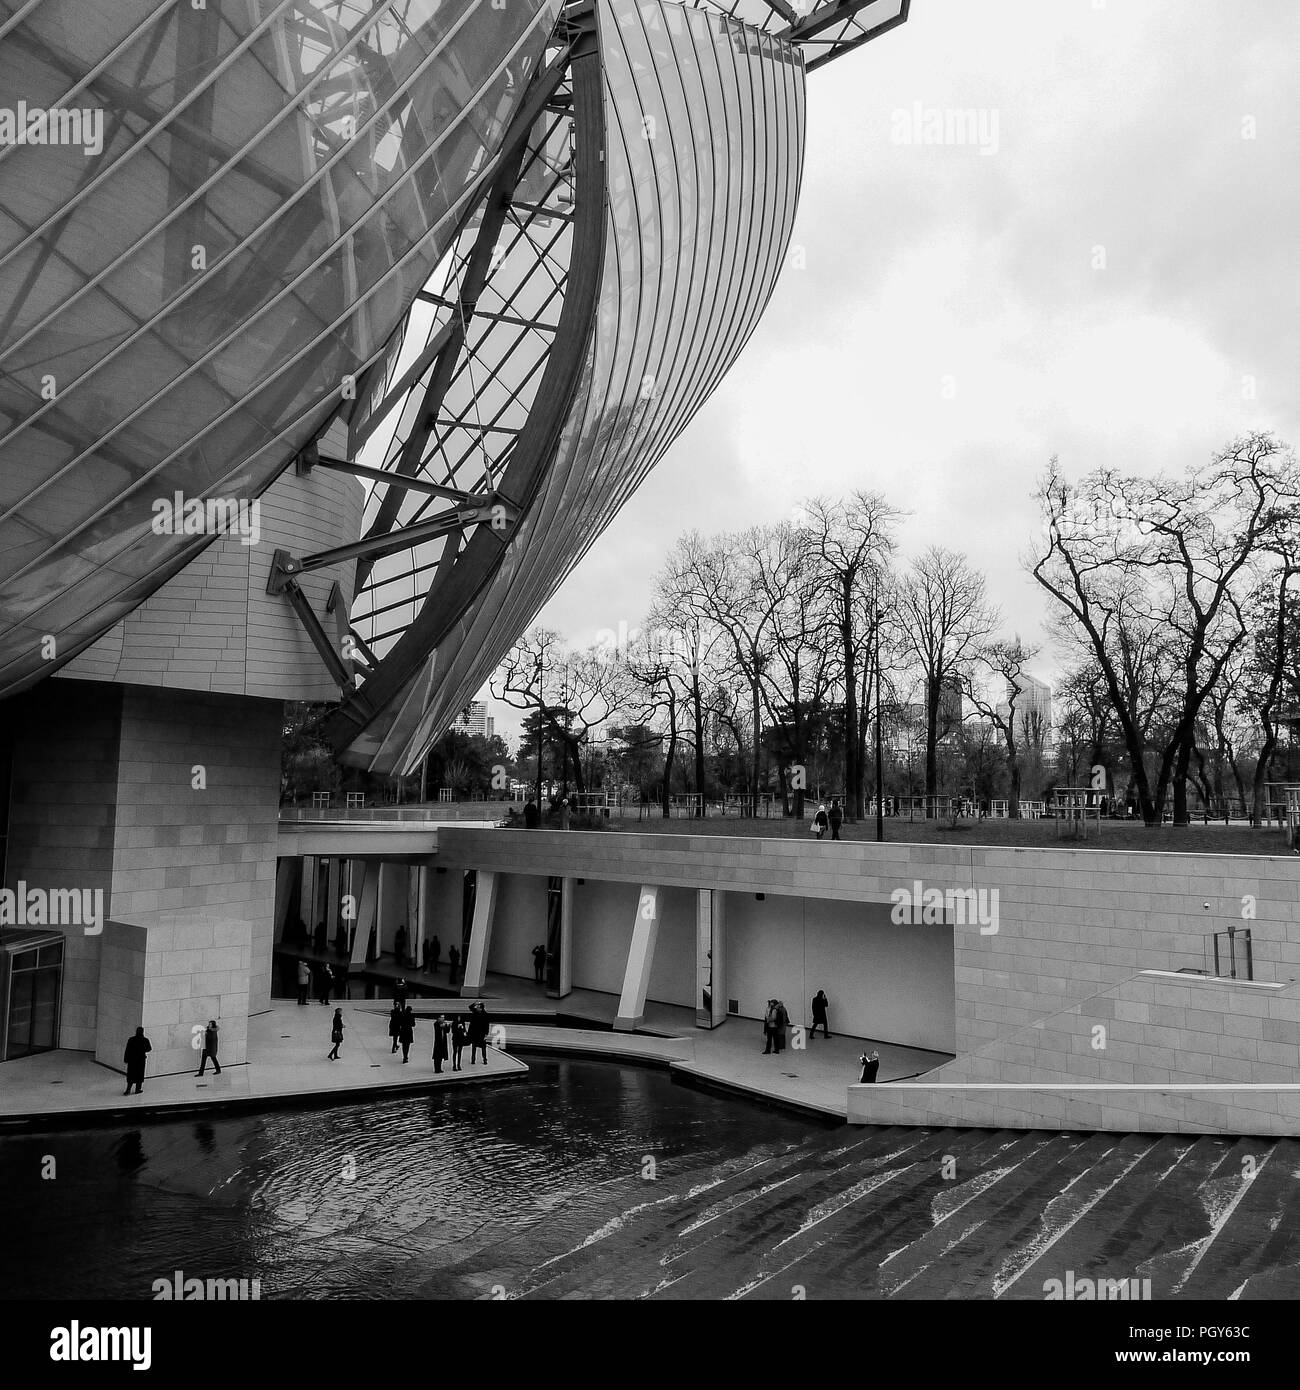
x=31 y=992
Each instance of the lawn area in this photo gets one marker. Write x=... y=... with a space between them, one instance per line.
x=1040 y=834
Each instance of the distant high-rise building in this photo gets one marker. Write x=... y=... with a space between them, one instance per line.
x=476 y=720
x=1033 y=709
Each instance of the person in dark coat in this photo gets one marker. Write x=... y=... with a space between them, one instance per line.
x=399 y=946
x=133 y=1058
x=406 y=1031
x=319 y=941
x=457 y=1043
x=336 y=1035
x=399 y=992
x=435 y=954
x=439 y=1044
x=453 y=964
x=819 y=1007
x=820 y=822
x=769 y=1026
x=304 y=981
x=341 y=981
x=870 y=1066
x=836 y=818
x=778 y=1031
x=324 y=983
x=478 y=1032
x=372 y=947
x=539 y=964
x=394 y=1025
x=341 y=941
x=210 y=1047
x=532 y=816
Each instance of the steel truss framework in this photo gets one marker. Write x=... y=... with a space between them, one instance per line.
x=496 y=359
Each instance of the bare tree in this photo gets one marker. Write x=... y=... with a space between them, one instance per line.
x=853 y=542
x=1005 y=660
x=944 y=619
x=573 y=691
x=1166 y=561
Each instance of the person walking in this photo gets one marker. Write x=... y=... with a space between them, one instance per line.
x=769 y=1026
x=453 y=963
x=870 y=1066
x=210 y=1047
x=435 y=954
x=478 y=1032
x=836 y=819
x=439 y=1044
x=820 y=1005
x=394 y=1025
x=406 y=1031
x=457 y=1043
x=336 y=1035
x=137 y=1049
x=539 y=964
x=304 y=981
x=820 y=821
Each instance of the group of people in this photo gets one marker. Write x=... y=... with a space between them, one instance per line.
x=776 y=1020
x=449 y=1038
x=138 y=1047
x=828 y=820
x=322 y=980
x=430 y=955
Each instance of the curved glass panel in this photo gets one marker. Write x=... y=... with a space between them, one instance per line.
x=236 y=222
x=703 y=153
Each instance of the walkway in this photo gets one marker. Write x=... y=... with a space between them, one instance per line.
x=814 y=1078
x=287 y=1063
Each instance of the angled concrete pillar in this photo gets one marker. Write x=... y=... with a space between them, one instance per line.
x=365 y=889
x=480 y=935
x=640 y=959
x=285 y=871
x=559 y=939
x=710 y=958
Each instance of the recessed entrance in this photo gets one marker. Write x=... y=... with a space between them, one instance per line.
x=31 y=992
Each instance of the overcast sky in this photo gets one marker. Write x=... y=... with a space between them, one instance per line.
x=950 y=329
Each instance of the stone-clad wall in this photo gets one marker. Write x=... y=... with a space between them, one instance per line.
x=103 y=797
x=214 y=627
x=1071 y=923
x=63 y=805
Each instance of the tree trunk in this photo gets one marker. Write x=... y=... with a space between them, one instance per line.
x=666 y=798
x=932 y=687
x=852 y=766
x=755 y=695
x=697 y=701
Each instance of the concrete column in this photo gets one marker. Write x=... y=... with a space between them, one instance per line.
x=480 y=935
x=307 y=897
x=565 y=987
x=640 y=959
x=365 y=888
x=332 y=894
x=284 y=909
x=710 y=959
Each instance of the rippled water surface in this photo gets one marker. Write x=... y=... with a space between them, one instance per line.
x=441 y=1195
x=592 y=1180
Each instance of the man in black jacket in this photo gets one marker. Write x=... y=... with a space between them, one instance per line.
x=209 y=1047
x=137 y=1049
x=478 y=1032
